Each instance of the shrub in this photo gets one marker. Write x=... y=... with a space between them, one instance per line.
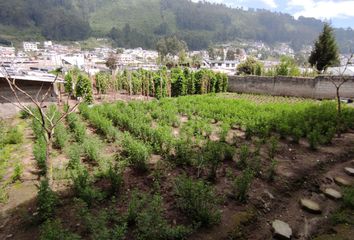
x=61 y=136
x=102 y=82
x=183 y=153
x=16 y=176
x=91 y=148
x=151 y=224
x=115 y=177
x=77 y=128
x=271 y=170
x=47 y=201
x=197 y=200
x=74 y=154
x=250 y=67
x=243 y=156
x=272 y=147
x=84 y=88
x=24 y=114
x=214 y=153
x=135 y=205
x=314 y=139
x=14 y=136
x=39 y=152
x=296 y=134
x=83 y=186
x=53 y=230
x=137 y=152
x=241 y=185
x=97 y=224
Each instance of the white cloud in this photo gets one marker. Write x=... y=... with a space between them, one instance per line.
x=323 y=9
x=270 y=3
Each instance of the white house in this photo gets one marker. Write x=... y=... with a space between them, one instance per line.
x=48 y=44
x=221 y=65
x=7 y=52
x=30 y=46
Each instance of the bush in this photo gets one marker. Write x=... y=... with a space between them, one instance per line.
x=97 y=224
x=250 y=67
x=16 y=176
x=115 y=177
x=151 y=224
x=83 y=186
x=272 y=147
x=47 y=201
x=24 y=114
x=84 y=88
x=197 y=200
x=314 y=139
x=53 y=230
x=14 y=136
x=61 y=136
x=271 y=170
x=74 y=154
x=135 y=205
x=77 y=127
x=241 y=185
x=243 y=156
x=39 y=152
x=183 y=153
x=92 y=148
x=137 y=152
x=214 y=153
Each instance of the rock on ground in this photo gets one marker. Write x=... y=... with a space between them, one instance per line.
x=281 y=230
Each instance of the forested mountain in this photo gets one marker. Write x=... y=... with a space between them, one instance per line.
x=136 y=23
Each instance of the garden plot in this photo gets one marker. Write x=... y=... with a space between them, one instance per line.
x=219 y=166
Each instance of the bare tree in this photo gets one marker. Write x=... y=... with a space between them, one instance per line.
x=48 y=123
x=338 y=81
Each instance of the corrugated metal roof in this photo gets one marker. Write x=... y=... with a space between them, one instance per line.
x=34 y=78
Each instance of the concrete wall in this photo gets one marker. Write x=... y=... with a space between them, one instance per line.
x=31 y=87
x=320 y=87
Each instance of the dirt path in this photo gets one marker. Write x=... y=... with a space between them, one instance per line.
x=301 y=174
x=26 y=189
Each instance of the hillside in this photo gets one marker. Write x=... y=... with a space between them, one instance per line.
x=141 y=22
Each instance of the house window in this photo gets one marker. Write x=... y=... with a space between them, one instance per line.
x=220 y=64
x=227 y=65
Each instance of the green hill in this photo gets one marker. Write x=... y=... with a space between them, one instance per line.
x=136 y=23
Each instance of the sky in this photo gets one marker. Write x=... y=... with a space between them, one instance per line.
x=339 y=12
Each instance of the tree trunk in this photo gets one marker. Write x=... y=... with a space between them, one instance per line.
x=49 y=163
x=339 y=113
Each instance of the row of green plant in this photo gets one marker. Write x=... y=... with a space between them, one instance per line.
x=144 y=216
x=163 y=83
x=136 y=153
x=315 y=121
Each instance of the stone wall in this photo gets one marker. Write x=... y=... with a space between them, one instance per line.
x=320 y=87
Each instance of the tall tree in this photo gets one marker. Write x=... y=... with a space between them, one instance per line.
x=325 y=53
